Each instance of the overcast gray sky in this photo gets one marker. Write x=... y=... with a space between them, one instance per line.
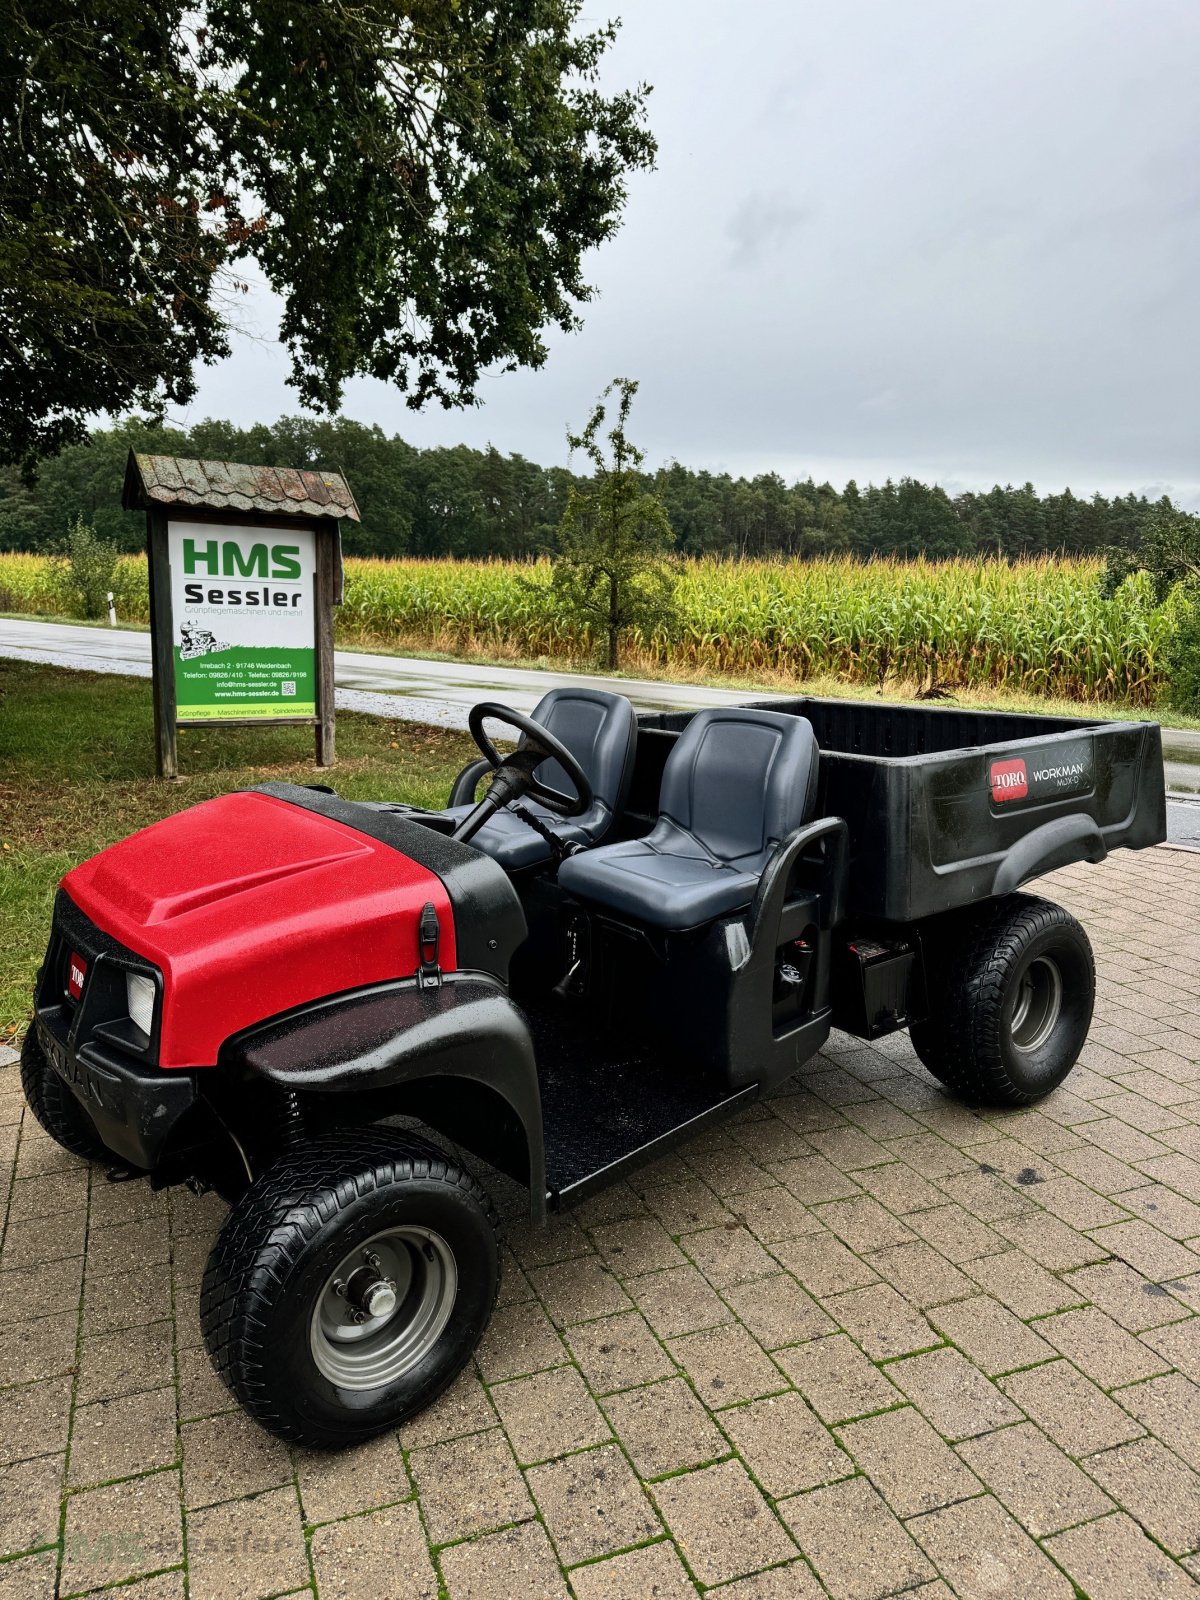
x=958 y=239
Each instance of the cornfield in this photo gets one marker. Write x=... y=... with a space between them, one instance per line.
x=1037 y=627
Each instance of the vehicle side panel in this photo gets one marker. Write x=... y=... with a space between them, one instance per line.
x=939 y=832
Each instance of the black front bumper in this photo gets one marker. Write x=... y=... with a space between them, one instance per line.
x=89 y=1040
x=135 y=1108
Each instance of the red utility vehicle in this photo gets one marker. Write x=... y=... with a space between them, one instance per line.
x=315 y=1005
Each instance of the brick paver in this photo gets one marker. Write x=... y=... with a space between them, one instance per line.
x=864 y=1341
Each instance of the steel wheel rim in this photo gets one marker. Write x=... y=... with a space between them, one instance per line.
x=1038 y=1004
x=369 y=1351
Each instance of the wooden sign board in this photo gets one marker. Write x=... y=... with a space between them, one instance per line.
x=242 y=590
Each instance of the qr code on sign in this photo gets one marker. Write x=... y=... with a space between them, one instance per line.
x=287 y=688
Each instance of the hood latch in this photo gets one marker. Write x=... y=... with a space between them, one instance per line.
x=429 y=933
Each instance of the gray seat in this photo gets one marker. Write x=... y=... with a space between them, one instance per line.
x=736 y=783
x=600 y=731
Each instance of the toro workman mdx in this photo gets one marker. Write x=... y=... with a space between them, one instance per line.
x=340 y=1014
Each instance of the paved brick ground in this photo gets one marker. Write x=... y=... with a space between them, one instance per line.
x=864 y=1342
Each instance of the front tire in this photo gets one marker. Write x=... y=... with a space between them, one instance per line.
x=350 y=1285
x=54 y=1107
x=1010 y=1002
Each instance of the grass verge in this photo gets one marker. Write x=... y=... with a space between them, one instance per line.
x=77 y=773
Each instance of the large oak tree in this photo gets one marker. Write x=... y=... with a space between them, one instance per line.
x=419 y=181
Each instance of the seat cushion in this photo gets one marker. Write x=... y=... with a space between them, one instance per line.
x=737 y=782
x=648 y=881
x=600 y=731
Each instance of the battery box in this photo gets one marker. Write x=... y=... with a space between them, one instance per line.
x=876 y=986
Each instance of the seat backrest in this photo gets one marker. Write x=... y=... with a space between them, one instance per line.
x=600 y=731
x=740 y=781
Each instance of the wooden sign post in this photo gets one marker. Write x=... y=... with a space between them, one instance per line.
x=245 y=570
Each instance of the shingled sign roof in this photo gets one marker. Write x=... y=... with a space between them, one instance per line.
x=230 y=486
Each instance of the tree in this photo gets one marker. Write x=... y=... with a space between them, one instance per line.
x=419 y=182
x=1169 y=551
x=463 y=502
x=84 y=483
x=693 y=509
x=1170 y=555
x=821 y=520
x=612 y=569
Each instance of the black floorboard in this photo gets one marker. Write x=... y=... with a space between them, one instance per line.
x=606 y=1098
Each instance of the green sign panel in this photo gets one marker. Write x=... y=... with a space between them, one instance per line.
x=243 y=602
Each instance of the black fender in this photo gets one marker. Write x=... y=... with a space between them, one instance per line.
x=1055 y=844
x=459 y=1055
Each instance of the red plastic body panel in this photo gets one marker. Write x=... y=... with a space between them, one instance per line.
x=249 y=906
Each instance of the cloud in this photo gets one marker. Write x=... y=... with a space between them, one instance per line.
x=760 y=226
x=884 y=237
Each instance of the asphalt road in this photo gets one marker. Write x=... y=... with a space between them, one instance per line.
x=1183 y=822
x=443 y=692
x=432 y=691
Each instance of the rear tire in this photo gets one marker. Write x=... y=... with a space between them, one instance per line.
x=350 y=1285
x=1010 y=1001
x=55 y=1108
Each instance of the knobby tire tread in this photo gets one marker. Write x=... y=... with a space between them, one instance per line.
x=961 y=1042
x=269 y=1227
x=54 y=1107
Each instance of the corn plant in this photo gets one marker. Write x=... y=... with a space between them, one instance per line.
x=1041 y=626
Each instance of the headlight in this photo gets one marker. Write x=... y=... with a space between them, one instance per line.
x=140 y=996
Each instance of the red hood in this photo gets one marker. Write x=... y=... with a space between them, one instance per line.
x=249 y=906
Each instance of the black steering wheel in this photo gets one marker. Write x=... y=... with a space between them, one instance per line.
x=516 y=773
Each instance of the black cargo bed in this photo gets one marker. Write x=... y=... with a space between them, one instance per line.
x=947 y=807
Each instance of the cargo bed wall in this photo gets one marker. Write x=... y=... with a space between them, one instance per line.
x=858 y=727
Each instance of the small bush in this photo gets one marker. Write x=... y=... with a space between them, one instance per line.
x=83 y=569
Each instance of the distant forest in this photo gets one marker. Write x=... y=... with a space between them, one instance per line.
x=473 y=503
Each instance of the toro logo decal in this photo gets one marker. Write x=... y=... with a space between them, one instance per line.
x=1009 y=781
x=76 y=973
